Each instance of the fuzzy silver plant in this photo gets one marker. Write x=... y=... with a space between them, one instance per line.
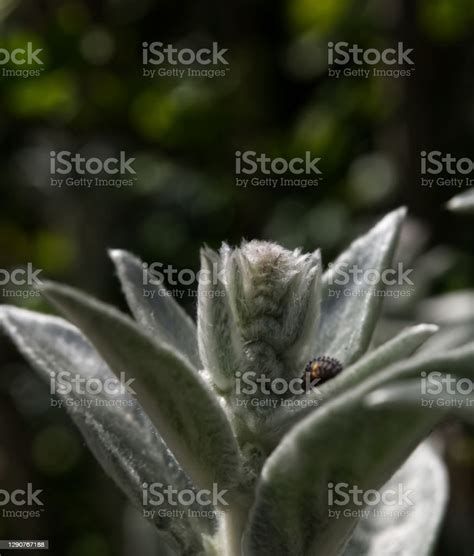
x=190 y=427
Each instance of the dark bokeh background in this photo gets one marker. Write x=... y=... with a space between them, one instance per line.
x=276 y=98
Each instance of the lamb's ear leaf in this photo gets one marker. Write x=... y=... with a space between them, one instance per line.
x=464 y=202
x=395 y=350
x=408 y=393
x=154 y=308
x=458 y=362
x=114 y=425
x=448 y=338
x=401 y=347
x=291 y=512
x=185 y=411
x=347 y=317
x=219 y=348
x=409 y=528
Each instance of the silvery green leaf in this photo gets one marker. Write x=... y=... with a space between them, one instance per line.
x=407 y=393
x=116 y=429
x=449 y=337
x=305 y=293
x=464 y=202
x=395 y=386
x=219 y=345
x=458 y=362
x=410 y=528
x=154 y=308
x=185 y=412
x=290 y=515
x=274 y=298
x=347 y=317
x=397 y=349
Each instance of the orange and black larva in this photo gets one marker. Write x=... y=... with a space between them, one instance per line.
x=321 y=369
